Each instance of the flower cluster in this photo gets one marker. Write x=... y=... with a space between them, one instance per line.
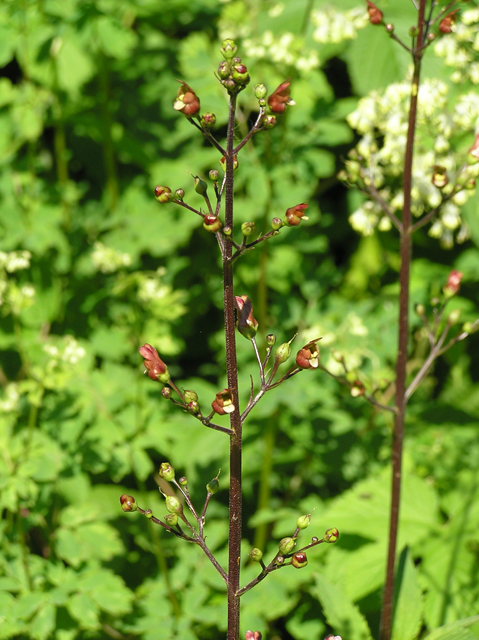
x=441 y=141
x=462 y=51
x=108 y=260
x=334 y=26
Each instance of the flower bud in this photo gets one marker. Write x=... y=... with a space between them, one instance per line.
x=413 y=31
x=303 y=521
x=208 y=120
x=148 y=513
x=163 y=194
x=224 y=70
x=283 y=352
x=228 y=49
x=308 y=356
x=256 y=554
x=331 y=535
x=240 y=74
x=420 y=309
x=200 y=186
x=269 y=122
x=193 y=407
x=454 y=316
x=214 y=175
x=280 y=98
x=183 y=481
x=375 y=15
x=187 y=102
x=227 y=231
x=276 y=223
x=295 y=214
x=154 y=365
x=247 y=228
x=453 y=283
x=128 y=503
x=213 y=486
x=166 y=471
x=270 y=339
x=235 y=163
x=246 y=323
x=260 y=91
x=357 y=389
x=173 y=505
x=166 y=392
x=279 y=560
x=299 y=560
x=253 y=635
x=211 y=223
x=390 y=28
x=179 y=194
x=171 y=519
x=190 y=396
x=286 y=545
x=314 y=539
x=223 y=403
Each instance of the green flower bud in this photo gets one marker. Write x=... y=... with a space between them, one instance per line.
x=148 y=514
x=247 y=228
x=279 y=560
x=179 y=194
x=163 y=194
x=193 y=408
x=276 y=223
x=166 y=392
x=128 y=503
x=190 y=396
x=303 y=521
x=283 y=352
x=269 y=122
x=173 y=505
x=224 y=70
x=227 y=231
x=166 y=471
x=213 y=486
x=208 y=120
x=214 y=175
x=256 y=554
x=299 y=560
x=200 y=186
x=240 y=74
x=183 y=481
x=331 y=535
x=286 y=545
x=171 y=519
x=270 y=339
x=211 y=223
x=228 y=49
x=260 y=91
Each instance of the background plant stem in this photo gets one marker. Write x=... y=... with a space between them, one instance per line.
x=403 y=337
x=235 y=497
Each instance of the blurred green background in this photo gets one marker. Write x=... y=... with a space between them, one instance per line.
x=92 y=267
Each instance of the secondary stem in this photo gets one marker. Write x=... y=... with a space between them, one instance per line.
x=235 y=496
x=403 y=336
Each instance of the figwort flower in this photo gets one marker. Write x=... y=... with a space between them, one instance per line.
x=453 y=283
x=246 y=323
x=375 y=15
x=187 y=102
x=308 y=356
x=295 y=214
x=223 y=403
x=154 y=365
x=447 y=23
x=280 y=98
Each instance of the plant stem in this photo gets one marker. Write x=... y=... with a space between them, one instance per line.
x=235 y=496
x=403 y=336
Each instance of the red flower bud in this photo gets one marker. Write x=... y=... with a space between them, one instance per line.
x=187 y=102
x=253 y=635
x=163 y=194
x=308 y=356
x=453 y=283
x=447 y=23
x=128 y=503
x=154 y=365
x=294 y=215
x=223 y=403
x=280 y=98
x=375 y=15
x=211 y=223
x=299 y=560
x=246 y=323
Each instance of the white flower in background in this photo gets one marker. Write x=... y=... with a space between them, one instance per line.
x=15 y=260
x=335 y=26
x=108 y=260
x=11 y=396
x=67 y=351
x=150 y=287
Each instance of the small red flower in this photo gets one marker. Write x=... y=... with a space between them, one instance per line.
x=154 y=365
x=246 y=323
x=223 y=403
x=375 y=14
x=308 y=356
x=280 y=98
x=187 y=102
x=453 y=282
x=295 y=214
x=447 y=23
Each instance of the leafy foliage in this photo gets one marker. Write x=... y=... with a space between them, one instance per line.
x=90 y=269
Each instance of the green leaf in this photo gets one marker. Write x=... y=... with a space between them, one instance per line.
x=342 y=615
x=84 y=609
x=455 y=630
x=44 y=622
x=408 y=600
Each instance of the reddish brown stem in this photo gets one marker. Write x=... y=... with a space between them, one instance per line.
x=403 y=336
